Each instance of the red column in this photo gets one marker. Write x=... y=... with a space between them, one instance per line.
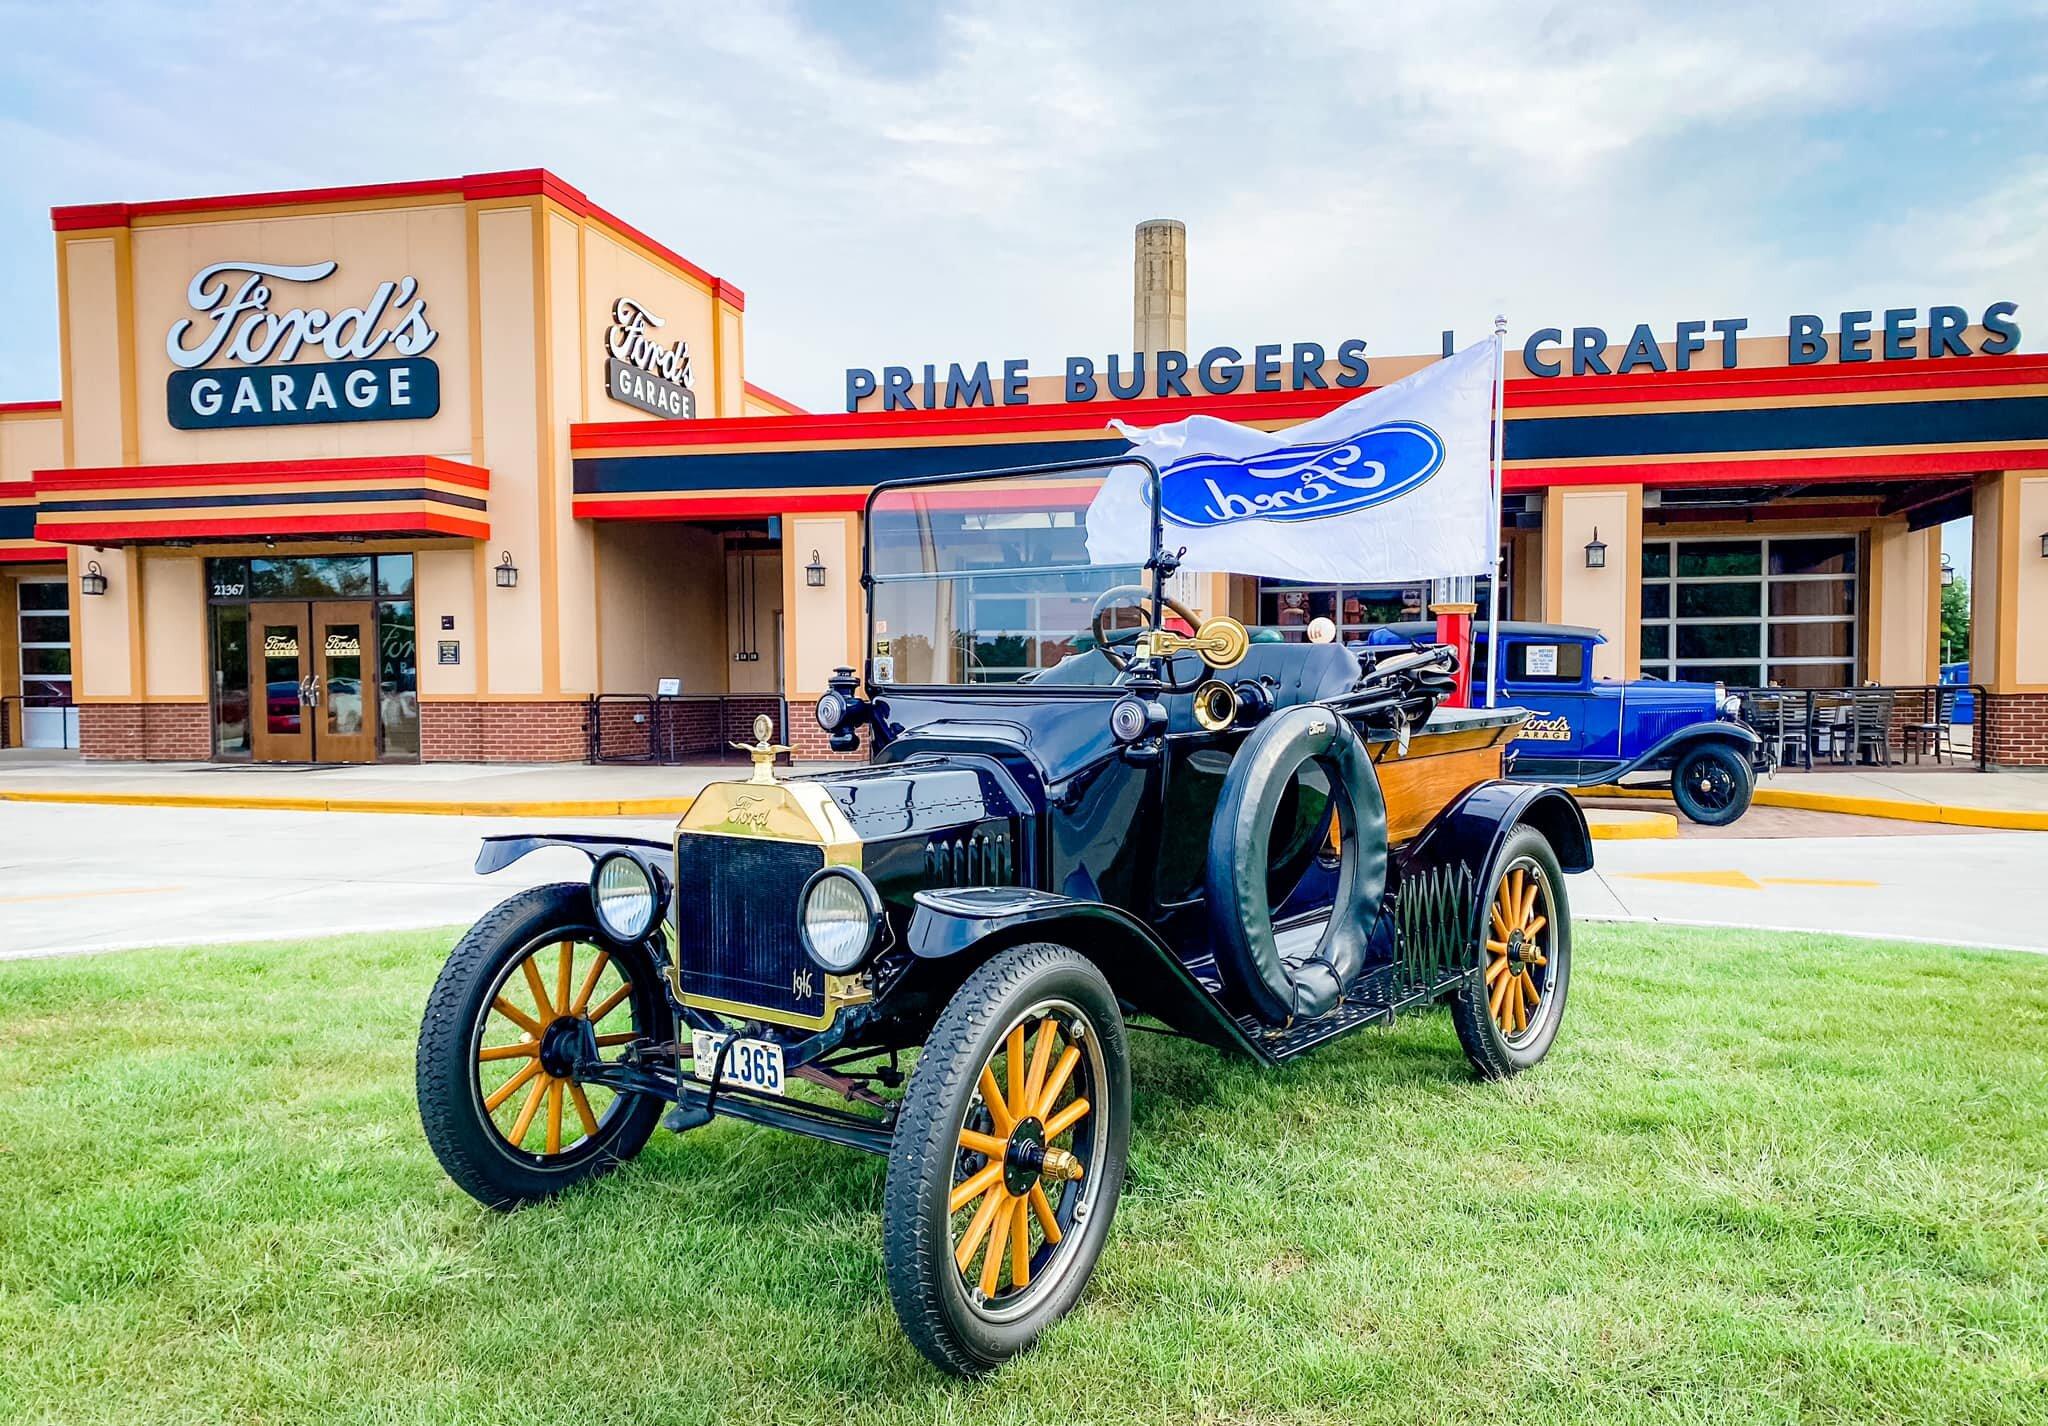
x=1454 y=627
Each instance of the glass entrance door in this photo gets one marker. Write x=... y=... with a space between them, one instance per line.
x=344 y=683
x=314 y=682
x=280 y=730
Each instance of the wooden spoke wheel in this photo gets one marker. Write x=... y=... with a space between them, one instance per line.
x=1008 y=1157
x=1517 y=966
x=1022 y=1158
x=1508 y=1014
x=529 y=1002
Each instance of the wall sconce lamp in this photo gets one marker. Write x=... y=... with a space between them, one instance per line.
x=2044 y=545
x=92 y=581
x=1948 y=571
x=508 y=573
x=1596 y=553
x=814 y=572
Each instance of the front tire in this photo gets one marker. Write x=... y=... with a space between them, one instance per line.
x=1008 y=1158
x=1712 y=785
x=1508 y=1015
x=502 y=1109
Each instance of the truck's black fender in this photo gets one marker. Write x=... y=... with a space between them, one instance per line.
x=1667 y=751
x=1144 y=972
x=1473 y=832
x=497 y=853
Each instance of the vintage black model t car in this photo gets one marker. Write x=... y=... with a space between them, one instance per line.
x=1259 y=845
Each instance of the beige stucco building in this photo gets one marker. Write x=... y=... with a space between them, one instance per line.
x=471 y=469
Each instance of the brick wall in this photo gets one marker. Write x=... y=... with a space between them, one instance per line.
x=2018 y=728
x=491 y=732
x=810 y=743
x=145 y=732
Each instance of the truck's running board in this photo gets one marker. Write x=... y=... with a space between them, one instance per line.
x=1376 y=997
x=693 y=1110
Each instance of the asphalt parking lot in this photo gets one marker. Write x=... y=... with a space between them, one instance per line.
x=75 y=879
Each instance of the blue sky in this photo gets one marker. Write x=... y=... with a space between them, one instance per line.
x=904 y=182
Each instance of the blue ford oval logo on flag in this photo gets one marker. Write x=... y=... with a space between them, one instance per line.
x=1308 y=482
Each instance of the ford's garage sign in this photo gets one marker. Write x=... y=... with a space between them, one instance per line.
x=238 y=362
x=640 y=372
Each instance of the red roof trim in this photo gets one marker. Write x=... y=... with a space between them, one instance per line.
x=723 y=505
x=9 y=408
x=472 y=187
x=1773 y=471
x=399 y=522
x=110 y=477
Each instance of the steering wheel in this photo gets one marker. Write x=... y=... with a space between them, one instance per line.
x=1113 y=644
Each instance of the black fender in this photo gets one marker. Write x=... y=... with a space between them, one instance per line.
x=1143 y=971
x=1473 y=831
x=1665 y=753
x=497 y=853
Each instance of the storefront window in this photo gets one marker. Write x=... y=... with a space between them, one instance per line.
x=349 y=678
x=398 y=706
x=231 y=680
x=43 y=637
x=1354 y=610
x=1775 y=611
x=310 y=577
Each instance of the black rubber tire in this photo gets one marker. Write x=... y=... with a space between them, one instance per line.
x=1491 y=1052
x=1721 y=765
x=917 y=1247
x=458 y=1130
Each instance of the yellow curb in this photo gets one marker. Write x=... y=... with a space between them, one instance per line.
x=605 y=807
x=1610 y=824
x=2001 y=818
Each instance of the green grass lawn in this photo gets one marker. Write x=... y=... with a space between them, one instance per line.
x=1761 y=1178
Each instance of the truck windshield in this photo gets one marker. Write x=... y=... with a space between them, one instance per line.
x=983 y=581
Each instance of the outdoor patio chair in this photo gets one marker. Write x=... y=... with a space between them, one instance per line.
x=1916 y=738
x=1782 y=721
x=1874 y=725
x=1833 y=726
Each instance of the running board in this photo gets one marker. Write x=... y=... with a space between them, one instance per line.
x=1375 y=998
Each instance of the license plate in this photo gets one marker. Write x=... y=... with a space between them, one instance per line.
x=749 y=1064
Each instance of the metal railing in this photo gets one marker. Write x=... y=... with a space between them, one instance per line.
x=668 y=728
x=1878 y=724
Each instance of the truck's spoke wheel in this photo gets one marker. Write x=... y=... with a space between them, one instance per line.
x=1517 y=958
x=1508 y=1009
x=1007 y=1157
x=533 y=1031
x=1014 y=1186
x=530 y=998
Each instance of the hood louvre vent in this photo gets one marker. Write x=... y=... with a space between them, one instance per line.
x=985 y=856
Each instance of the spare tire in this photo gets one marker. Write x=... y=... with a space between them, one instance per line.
x=1240 y=908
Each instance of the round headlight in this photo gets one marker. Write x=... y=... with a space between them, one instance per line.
x=831 y=711
x=842 y=916
x=1127 y=720
x=623 y=892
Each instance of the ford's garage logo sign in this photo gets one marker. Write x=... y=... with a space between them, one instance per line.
x=1301 y=482
x=238 y=360
x=640 y=371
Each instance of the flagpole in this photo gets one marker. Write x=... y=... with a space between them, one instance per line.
x=1500 y=377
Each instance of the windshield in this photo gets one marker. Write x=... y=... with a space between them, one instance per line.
x=983 y=581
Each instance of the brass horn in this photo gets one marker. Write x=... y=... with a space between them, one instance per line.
x=1215 y=705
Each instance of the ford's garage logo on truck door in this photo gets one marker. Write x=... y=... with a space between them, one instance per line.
x=238 y=361
x=1301 y=482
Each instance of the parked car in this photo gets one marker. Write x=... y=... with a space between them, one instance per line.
x=1262 y=848
x=1585 y=731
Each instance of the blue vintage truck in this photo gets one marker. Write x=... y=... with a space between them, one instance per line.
x=1589 y=731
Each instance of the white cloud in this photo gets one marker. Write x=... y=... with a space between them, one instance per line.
x=1375 y=170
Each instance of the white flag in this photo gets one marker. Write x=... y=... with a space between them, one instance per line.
x=1394 y=486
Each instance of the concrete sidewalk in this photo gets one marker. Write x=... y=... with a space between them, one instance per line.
x=446 y=789
x=2009 y=801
